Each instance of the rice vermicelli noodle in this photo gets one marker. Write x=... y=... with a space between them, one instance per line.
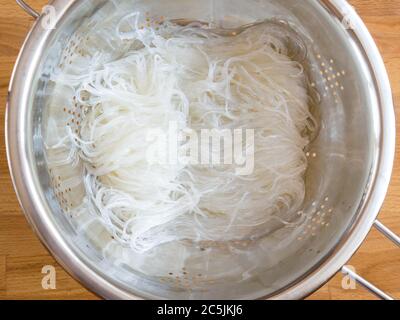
x=124 y=75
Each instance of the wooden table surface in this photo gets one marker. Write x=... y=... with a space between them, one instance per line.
x=22 y=256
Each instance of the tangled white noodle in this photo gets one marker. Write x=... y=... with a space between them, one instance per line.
x=128 y=76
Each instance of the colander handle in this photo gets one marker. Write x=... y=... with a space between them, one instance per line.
x=366 y=284
x=387 y=232
x=28 y=9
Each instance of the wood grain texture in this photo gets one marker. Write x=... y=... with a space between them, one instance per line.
x=22 y=256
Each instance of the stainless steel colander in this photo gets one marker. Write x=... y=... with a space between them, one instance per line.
x=349 y=171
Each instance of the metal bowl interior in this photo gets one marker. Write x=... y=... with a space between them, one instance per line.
x=348 y=175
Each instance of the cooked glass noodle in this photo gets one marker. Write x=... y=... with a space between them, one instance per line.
x=128 y=75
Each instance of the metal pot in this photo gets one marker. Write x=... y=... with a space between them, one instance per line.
x=357 y=147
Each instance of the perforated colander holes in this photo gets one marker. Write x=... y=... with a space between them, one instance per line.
x=155 y=22
x=320 y=217
x=72 y=51
x=331 y=77
x=60 y=192
x=185 y=279
x=311 y=154
x=74 y=116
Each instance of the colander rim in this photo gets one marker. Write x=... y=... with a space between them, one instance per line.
x=37 y=212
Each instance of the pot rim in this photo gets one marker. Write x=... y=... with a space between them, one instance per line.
x=19 y=154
